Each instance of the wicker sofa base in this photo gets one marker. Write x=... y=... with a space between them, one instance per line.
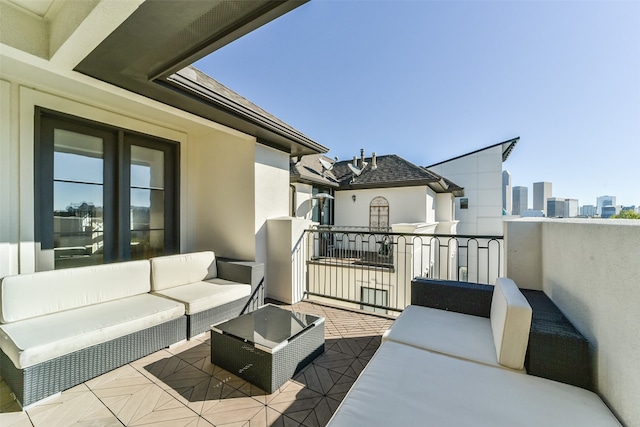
x=40 y=381
x=198 y=323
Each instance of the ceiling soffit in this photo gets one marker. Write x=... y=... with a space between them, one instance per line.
x=162 y=37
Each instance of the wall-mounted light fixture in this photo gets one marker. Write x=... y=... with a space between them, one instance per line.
x=322 y=197
x=353 y=197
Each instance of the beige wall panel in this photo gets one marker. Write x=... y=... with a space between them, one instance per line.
x=220 y=195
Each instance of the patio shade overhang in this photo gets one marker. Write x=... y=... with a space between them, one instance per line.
x=146 y=53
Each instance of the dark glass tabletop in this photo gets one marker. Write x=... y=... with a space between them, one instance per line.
x=268 y=327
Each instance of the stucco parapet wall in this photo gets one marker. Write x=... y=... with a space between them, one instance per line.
x=415 y=228
x=581 y=221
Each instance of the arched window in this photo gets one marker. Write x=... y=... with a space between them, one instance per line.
x=379 y=214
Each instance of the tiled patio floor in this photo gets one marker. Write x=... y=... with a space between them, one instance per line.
x=180 y=387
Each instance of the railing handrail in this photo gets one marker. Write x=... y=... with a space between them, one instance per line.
x=396 y=233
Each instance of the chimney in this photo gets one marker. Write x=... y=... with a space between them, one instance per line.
x=355 y=161
x=374 y=164
x=362 y=158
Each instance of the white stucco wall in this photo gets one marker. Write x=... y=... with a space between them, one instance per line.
x=220 y=195
x=406 y=205
x=271 y=198
x=8 y=191
x=480 y=174
x=286 y=258
x=590 y=269
x=302 y=200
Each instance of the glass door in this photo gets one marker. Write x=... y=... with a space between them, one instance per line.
x=147 y=212
x=103 y=194
x=78 y=199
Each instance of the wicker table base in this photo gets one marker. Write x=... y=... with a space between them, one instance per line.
x=267 y=368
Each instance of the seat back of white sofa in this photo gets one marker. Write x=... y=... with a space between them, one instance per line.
x=177 y=270
x=510 y=323
x=35 y=294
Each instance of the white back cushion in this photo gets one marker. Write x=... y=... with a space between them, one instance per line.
x=30 y=295
x=510 y=323
x=177 y=270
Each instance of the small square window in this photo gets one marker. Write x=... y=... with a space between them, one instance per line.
x=374 y=296
x=464 y=203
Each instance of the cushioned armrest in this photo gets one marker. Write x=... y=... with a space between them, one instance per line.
x=461 y=297
x=247 y=272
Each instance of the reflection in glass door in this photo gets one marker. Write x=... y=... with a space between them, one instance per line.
x=78 y=208
x=147 y=202
x=103 y=194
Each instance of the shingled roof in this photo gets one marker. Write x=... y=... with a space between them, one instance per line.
x=309 y=169
x=390 y=171
x=242 y=105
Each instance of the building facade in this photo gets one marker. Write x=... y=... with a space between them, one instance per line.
x=603 y=201
x=520 y=200
x=480 y=211
x=373 y=193
x=609 y=211
x=588 y=210
x=555 y=207
x=541 y=192
x=506 y=192
x=571 y=208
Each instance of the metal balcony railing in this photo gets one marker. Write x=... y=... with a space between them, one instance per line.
x=372 y=269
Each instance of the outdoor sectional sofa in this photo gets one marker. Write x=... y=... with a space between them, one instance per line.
x=437 y=367
x=212 y=290
x=63 y=327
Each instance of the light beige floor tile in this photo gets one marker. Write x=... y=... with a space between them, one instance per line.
x=233 y=410
x=75 y=406
x=15 y=419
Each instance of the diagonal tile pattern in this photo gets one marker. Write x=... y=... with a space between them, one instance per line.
x=179 y=386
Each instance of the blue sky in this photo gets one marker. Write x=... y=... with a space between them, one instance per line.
x=430 y=80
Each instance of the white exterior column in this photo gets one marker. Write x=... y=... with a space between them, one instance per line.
x=286 y=259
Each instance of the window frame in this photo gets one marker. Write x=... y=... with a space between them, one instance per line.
x=376 y=205
x=117 y=144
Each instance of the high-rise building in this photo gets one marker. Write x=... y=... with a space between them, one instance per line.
x=609 y=211
x=555 y=207
x=520 y=200
x=506 y=191
x=570 y=208
x=603 y=201
x=541 y=192
x=588 y=210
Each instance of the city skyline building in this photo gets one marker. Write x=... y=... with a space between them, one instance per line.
x=609 y=211
x=603 y=201
x=520 y=200
x=506 y=191
x=570 y=208
x=541 y=192
x=588 y=210
x=555 y=207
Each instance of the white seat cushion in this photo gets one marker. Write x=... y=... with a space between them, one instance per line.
x=406 y=386
x=510 y=322
x=200 y=296
x=43 y=338
x=36 y=294
x=177 y=270
x=455 y=334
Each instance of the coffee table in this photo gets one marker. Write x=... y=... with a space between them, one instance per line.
x=267 y=347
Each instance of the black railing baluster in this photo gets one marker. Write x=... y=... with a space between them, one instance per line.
x=342 y=261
